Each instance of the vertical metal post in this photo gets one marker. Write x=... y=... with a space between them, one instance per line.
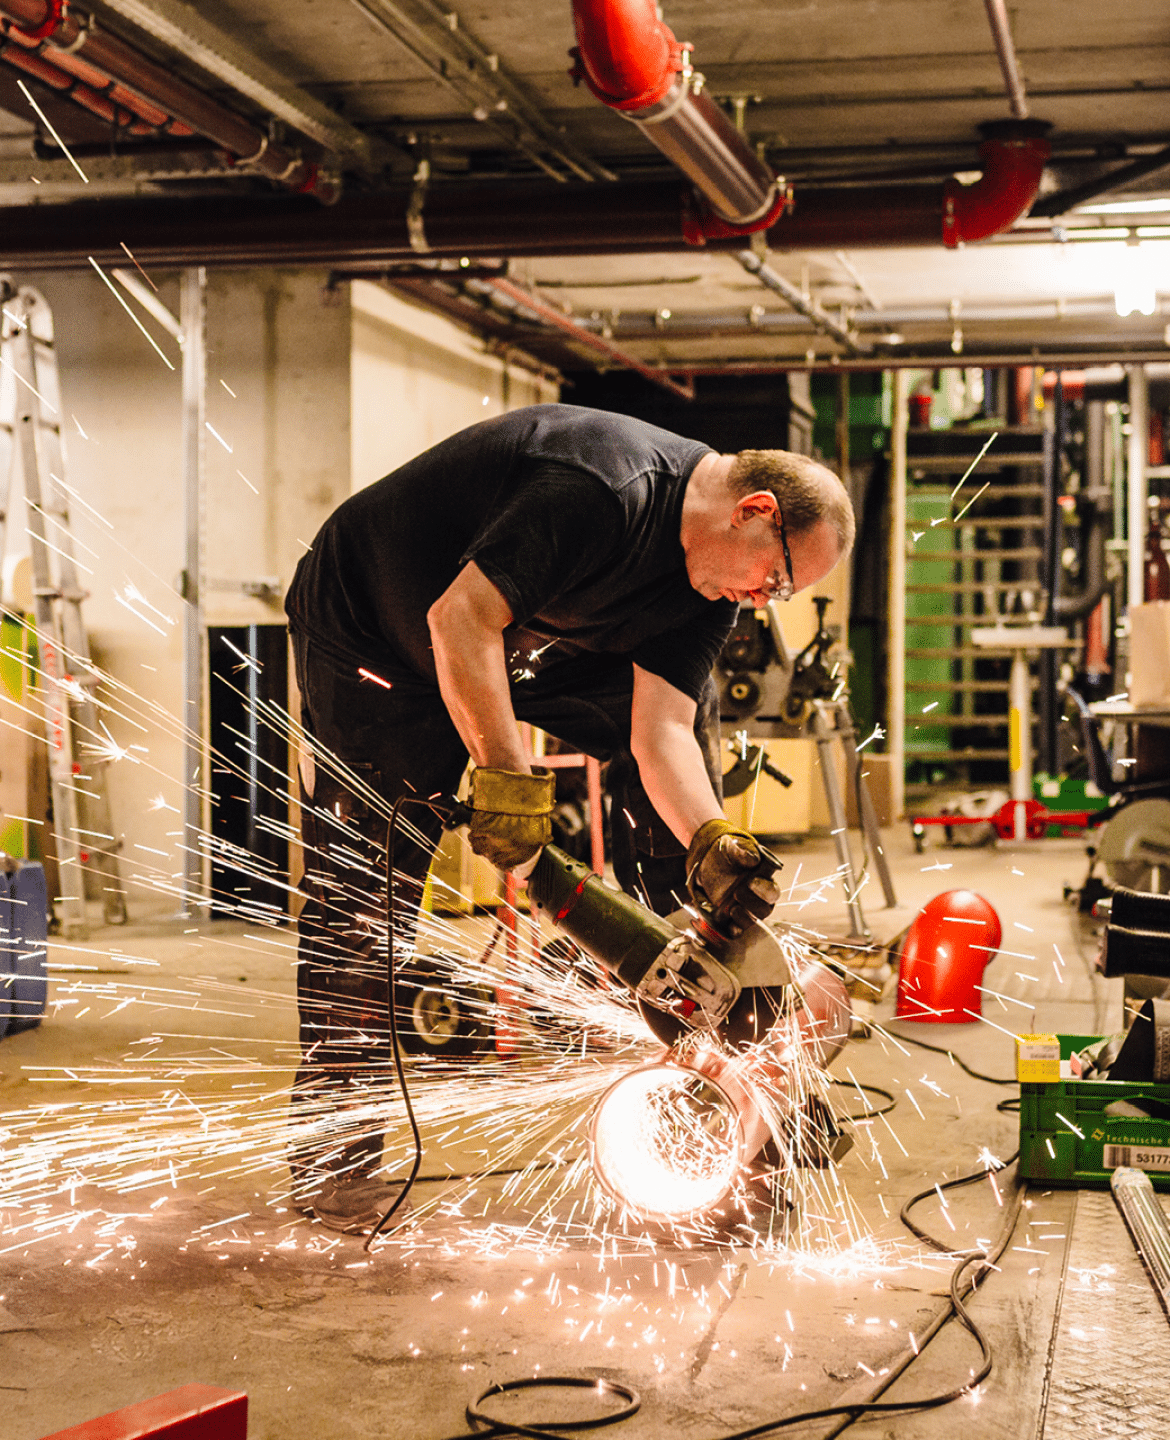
x=1136 y=487
x=896 y=641
x=823 y=734
x=193 y=316
x=1020 y=738
x=1047 y=665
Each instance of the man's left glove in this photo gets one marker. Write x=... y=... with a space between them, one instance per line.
x=722 y=862
x=513 y=815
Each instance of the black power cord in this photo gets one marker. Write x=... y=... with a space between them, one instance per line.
x=972 y=1266
x=960 y=1287
x=476 y=1415
x=950 y=1054
x=447 y=809
x=869 y=1090
x=392 y=1015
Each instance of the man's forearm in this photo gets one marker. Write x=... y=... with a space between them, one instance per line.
x=676 y=782
x=473 y=681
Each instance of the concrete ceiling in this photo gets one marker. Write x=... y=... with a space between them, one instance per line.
x=869 y=91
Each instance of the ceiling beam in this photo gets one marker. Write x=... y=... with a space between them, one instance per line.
x=1061 y=201
x=181 y=28
x=436 y=37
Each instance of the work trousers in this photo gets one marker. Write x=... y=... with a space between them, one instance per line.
x=392 y=736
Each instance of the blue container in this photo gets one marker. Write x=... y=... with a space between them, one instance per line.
x=23 y=945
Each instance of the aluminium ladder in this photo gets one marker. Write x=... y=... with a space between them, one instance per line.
x=30 y=435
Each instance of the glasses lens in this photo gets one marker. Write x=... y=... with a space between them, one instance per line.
x=787 y=587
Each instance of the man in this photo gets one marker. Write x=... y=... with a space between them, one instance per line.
x=574 y=569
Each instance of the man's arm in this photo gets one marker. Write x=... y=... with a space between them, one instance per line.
x=670 y=762
x=467 y=623
x=721 y=860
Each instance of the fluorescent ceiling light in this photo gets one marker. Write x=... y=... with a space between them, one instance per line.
x=1128 y=207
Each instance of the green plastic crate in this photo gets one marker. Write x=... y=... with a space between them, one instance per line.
x=1067 y=1139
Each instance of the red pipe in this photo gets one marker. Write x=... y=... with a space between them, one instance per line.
x=631 y=61
x=1013 y=154
x=70 y=89
x=626 y=55
x=459 y=220
x=50 y=20
x=543 y=311
x=84 y=85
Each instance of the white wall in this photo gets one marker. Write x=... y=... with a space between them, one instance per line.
x=318 y=390
x=417 y=378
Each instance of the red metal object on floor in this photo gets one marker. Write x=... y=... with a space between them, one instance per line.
x=1037 y=819
x=192 y=1412
x=947 y=947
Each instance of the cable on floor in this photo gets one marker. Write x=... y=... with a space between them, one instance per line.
x=950 y=1054
x=869 y=1090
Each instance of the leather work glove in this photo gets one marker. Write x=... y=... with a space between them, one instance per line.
x=512 y=821
x=721 y=862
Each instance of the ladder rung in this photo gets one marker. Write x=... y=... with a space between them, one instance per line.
x=992 y=491
x=962 y=685
x=957 y=722
x=967 y=587
x=954 y=652
x=954 y=755
x=1025 y=552
x=957 y=464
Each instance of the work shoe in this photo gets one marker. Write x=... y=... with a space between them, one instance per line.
x=354 y=1205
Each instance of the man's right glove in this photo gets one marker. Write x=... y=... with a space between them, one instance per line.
x=513 y=815
x=721 y=862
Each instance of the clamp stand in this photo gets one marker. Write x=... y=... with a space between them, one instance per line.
x=1022 y=641
x=829 y=719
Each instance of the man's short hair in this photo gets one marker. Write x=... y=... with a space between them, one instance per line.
x=805 y=491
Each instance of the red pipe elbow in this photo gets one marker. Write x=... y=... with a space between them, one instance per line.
x=947 y=947
x=1013 y=161
x=625 y=54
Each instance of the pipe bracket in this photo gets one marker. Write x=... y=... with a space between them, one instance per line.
x=415 y=228
x=85 y=28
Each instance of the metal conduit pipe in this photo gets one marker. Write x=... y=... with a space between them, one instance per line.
x=67 y=87
x=817 y=314
x=522 y=300
x=63 y=30
x=1095 y=510
x=1001 y=32
x=521 y=219
x=631 y=62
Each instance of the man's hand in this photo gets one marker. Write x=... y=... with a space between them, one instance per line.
x=720 y=865
x=512 y=821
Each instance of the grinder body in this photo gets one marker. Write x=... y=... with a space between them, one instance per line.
x=682 y=983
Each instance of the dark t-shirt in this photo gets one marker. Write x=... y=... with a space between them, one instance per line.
x=572 y=514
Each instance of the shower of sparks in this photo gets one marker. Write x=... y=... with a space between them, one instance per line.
x=134 y=262
x=203 y=1101
x=113 y=291
x=28 y=95
x=176 y=1113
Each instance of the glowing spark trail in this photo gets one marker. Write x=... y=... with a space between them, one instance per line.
x=27 y=93
x=113 y=291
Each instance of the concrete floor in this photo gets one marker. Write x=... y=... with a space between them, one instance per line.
x=145 y=1240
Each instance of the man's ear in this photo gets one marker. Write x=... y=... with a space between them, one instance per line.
x=759 y=505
